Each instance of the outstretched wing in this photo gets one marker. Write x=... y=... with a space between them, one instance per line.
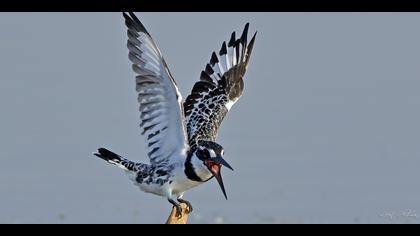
x=219 y=87
x=162 y=119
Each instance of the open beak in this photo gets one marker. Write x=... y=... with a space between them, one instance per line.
x=221 y=161
x=214 y=166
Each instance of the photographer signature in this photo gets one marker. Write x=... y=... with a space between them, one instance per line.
x=404 y=214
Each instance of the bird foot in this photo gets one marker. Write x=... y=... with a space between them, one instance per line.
x=178 y=211
x=178 y=208
x=190 y=208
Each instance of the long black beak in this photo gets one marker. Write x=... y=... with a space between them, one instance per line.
x=218 y=176
x=221 y=161
x=216 y=171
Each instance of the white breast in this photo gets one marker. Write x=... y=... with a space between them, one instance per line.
x=180 y=182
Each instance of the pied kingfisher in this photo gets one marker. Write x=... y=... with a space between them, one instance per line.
x=180 y=135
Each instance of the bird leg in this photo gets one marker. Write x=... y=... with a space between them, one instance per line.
x=177 y=206
x=190 y=208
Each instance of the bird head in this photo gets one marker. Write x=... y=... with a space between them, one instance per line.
x=211 y=155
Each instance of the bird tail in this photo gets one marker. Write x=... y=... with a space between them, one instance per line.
x=116 y=159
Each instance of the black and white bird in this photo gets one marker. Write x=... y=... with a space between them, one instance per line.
x=181 y=135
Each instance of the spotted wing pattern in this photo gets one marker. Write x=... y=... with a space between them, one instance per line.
x=219 y=87
x=162 y=119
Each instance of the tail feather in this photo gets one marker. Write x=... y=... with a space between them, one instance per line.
x=107 y=155
x=115 y=159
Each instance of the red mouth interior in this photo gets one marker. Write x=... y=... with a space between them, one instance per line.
x=214 y=166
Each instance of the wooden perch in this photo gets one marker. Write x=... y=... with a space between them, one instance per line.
x=173 y=219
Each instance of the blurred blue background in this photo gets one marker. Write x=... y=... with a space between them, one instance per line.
x=327 y=130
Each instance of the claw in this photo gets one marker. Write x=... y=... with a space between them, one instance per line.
x=178 y=211
x=178 y=208
x=190 y=208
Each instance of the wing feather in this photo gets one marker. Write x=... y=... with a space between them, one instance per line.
x=161 y=108
x=219 y=87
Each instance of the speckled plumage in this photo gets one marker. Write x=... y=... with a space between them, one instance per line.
x=220 y=86
x=180 y=136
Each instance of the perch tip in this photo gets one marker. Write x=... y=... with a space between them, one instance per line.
x=173 y=219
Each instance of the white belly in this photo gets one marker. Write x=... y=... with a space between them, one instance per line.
x=182 y=184
x=176 y=186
